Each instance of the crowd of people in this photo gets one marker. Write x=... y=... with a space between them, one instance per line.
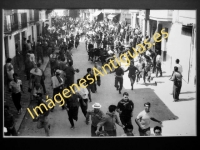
x=57 y=43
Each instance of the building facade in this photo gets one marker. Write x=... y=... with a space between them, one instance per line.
x=181 y=41
x=20 y=24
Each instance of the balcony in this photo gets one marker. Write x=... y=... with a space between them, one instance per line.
x=11 y=23
x=161 y=15
x=34 y=17
x=31 y=17
x=14 y=27
x=7 y=28
x=23 y=25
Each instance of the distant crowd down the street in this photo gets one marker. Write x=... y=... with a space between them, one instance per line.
x=66 y=92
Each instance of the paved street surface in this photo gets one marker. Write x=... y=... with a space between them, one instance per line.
x=178 y=117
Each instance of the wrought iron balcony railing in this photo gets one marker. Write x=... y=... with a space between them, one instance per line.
x=14 y=27
x=7 y=28
x=23 y=25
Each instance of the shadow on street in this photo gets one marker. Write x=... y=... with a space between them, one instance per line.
x=185 y=99
x=159 y=110
x=188 y=92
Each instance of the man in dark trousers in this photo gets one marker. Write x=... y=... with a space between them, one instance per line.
x=90 y=50
x=69 y=74
x=24 y=49
x=39 y=51
x=72 y=105
x=77 y=38
x=119 y=78
x=132 y=73
x=96 y=116
x=57 y=83
x=104 y=42
x=125 y=109
x=153 y=57
x=15 y=86
x=177 y=79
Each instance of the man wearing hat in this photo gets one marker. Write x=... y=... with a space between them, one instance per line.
x=57 y=83
x=96 y=116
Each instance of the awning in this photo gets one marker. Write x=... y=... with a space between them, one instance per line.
x=96 y=13
x=111 y=16
x=116 y=18
x=100 y=17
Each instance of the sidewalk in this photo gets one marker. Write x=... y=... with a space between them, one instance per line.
x=25 y=100
x=185 y=108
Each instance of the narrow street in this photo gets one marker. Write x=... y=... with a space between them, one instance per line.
x=178 y=118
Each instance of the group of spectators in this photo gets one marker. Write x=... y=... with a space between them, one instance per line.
x=107 y=35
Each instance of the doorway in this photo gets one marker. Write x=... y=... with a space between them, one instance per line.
x=6 y=47
x=23 y=35
x=29 y=38
x=38 y=30
x=17 y=41
x=32 y=34
x=43 y=28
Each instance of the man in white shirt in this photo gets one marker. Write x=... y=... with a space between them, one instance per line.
x=15 y=86
x=83 y=92
x=180 y=69
x=158 y=58
x=57 y=83
x=143 y=120
x=158 y=65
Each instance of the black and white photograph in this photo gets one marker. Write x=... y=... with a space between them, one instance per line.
x=91 y=73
